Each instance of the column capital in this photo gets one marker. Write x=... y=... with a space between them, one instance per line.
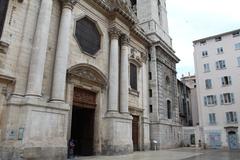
x=68 y=3
x=114 y=33
x=125 y=40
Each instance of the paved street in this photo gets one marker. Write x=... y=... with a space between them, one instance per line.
x=173 y=154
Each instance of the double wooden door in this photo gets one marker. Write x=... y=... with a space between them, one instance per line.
x=135 y=133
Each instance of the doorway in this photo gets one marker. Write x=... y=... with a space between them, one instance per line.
x=233 y=140
x=135 y=133
x=83 y=118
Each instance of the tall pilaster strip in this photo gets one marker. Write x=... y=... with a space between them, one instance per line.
x=62 y=52
x=113 y=71
x=39 y=49
x=124 y=74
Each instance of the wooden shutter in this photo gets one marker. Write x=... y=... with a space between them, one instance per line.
x=205 y=101
x=232 y=98
x=3 y=11
x=221 y=97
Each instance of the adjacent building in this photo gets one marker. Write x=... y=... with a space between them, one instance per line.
x=99 y=72
x=217 y=62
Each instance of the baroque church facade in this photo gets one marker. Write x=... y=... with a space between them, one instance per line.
x=99 y=72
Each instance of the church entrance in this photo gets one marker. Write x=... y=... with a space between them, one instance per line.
x=83 y=116
x=135 y=133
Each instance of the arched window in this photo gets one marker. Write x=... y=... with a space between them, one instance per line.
x=169 y=109
x=3 y=11
x=133 y=76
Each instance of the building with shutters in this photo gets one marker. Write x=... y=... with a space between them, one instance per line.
x=78 y=70
x=217 y=61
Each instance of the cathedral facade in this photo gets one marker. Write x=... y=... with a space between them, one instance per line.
x=99 y=72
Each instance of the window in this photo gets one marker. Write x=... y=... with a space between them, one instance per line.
x=220 y=64
x=218 y=39
x=3 y=12
x=220 y=50
x=133 y=76
x=204 y=53
x=150 y=92
x=150 y=75
x=169 y=110
x=237 y=46
x=206 y=67
x=236 y=34
x=227 y=98
x=231 y=117
x=134 y=6
x=212 y=118
x=88 y=36
x=150 y=108
x=210 y=100
x=226 y=80
x=208 y=83
x=238 y=61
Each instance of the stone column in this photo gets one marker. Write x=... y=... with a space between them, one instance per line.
x=40 y=42
x=124 y=74
x=113 y=70
x=62 y=52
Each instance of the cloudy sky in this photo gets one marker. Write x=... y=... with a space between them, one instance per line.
x=194 y=19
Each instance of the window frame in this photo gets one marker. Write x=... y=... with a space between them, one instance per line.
x=206 y=67
x=208 y=83
x=210 y=100
x=133 y=76
x=212 y=118
x=221 y=64
x=231 y=117
x=227 y=98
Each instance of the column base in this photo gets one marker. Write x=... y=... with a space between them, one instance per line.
x=34 y=129
x=34 y=153
x=118 y=136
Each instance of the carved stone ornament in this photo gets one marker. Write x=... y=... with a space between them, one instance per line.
x=87 y=73
x=114 y=33
x=69 y=3
x=125 y=40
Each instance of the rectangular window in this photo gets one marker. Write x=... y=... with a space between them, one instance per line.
x=150 y=75
x=212 y=118
x=237 y=46
x=227 y=98
x=150 y=108
x=150 y=92
x=220 y=50
x=226 y=80
x=231 y=117
x=204 y=53
x=206 y=67
x=218 y=39
x=3 y=11
x=133 y=76
x=208 y=83
x=210 y=100
x=149 y=57
x=220 y=64
x=236 y=34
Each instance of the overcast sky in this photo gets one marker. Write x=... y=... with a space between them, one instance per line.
x=194 y=19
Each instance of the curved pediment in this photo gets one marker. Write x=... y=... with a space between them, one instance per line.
x=87 y=73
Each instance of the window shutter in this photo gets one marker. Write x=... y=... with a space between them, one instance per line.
x=223 y=82
x=235 y=116
x=229 y=79
x=227 y=116
x=232 y=98
x=214 y=118
x=215 y=99
x=210 y=118
x=217 y=65
x=205 y=100
x=221 y=97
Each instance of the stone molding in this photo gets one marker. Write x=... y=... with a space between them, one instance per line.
x=125 y=40
x=3 y=47
x=114 y=33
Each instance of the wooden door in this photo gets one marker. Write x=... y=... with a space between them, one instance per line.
x=135 y=133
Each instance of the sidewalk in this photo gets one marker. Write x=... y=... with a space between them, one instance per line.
x=176 y=154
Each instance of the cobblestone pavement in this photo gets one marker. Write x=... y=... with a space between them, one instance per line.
x=173 y=154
